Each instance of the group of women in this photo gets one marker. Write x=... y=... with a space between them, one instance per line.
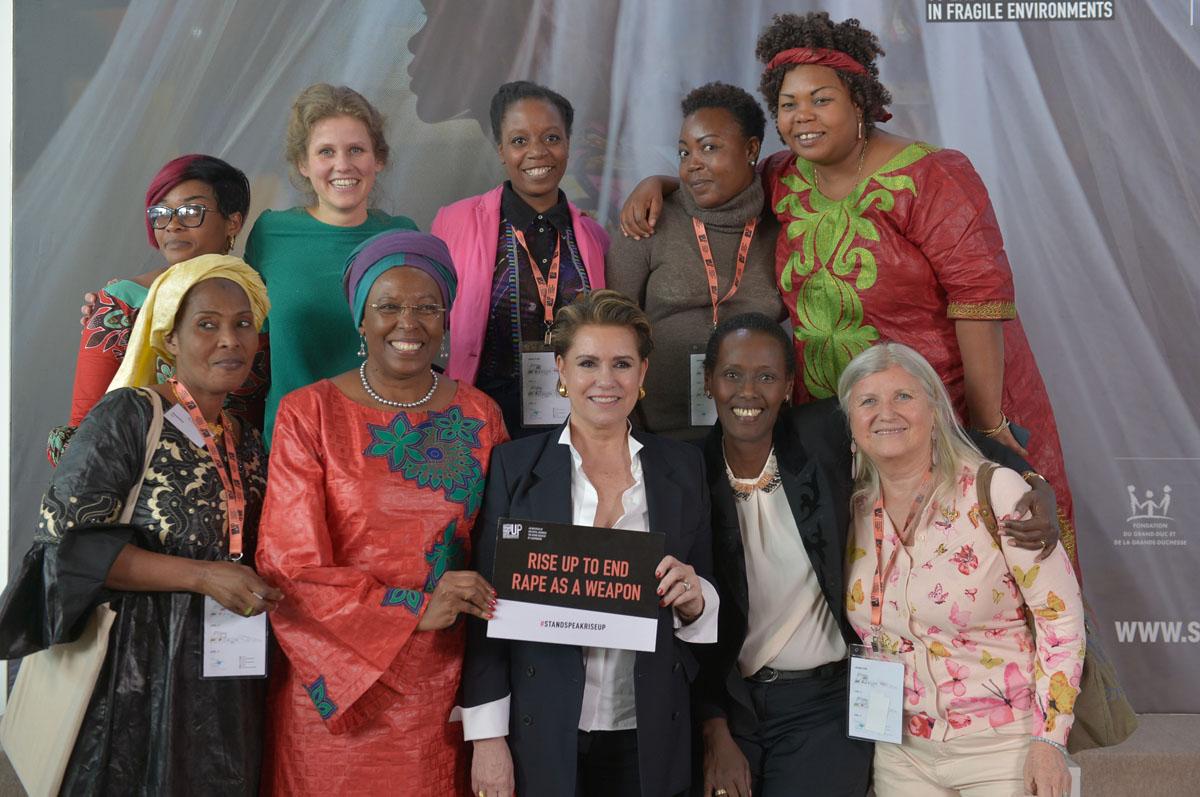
x=830 y=498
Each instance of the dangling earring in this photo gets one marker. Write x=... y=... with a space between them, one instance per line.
x=362 y=346
x=562 y=389
x=860 y=129
x=933 y=451
x=442 y=350
x=641 y=392
x=853 y=461
x=229 y=248
x=707 y=393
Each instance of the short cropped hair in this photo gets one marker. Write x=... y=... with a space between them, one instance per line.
x=740 y=103
x=517 y=90
x=601 y=308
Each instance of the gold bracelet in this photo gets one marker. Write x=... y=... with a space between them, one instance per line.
x=1000 y=427
x=1030 y=475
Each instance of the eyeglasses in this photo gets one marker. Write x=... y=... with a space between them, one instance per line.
x=189 y=215
x=419 y=310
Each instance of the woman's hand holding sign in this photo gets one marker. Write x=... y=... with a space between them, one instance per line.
x=458 y=592
x=679 y=588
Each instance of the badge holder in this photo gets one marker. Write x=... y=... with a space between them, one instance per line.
x=703 y=408
x=876 y=710
x=540 y=403
x=234 y=646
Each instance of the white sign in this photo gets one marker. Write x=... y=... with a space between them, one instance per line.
x=234 y=646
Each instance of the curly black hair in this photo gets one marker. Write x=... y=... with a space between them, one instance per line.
x=750 y=322
x=739 y=102
x=519 y=90
x=788 y=31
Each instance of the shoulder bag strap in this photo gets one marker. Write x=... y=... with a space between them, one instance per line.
x=983 y=488
x=152 y=437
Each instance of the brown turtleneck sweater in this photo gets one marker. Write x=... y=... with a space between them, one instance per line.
x=665 y=275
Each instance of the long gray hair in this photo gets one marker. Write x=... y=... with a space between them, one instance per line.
x=952 y=448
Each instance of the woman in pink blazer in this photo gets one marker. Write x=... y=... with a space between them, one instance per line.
x=522 y=250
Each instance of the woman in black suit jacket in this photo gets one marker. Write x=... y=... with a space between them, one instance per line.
x=768 y=730
x=591 y=721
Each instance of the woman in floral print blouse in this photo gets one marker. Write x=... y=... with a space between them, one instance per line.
x=376 y=479
x=988 y=700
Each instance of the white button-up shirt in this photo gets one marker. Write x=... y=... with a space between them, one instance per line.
x=608 y=692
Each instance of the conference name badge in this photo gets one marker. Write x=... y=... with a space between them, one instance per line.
x=540 y=403
x=235 y=646
x=876 y=695
x=576 y=585
x=703 y=408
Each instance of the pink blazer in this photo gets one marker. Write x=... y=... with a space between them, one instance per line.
x=471 y=228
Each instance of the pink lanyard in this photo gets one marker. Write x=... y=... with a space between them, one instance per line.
x=879 y=581
x=710 y=267
x=235 y=496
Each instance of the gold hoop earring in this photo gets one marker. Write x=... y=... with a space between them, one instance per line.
x=641 y=392
x=562 y=389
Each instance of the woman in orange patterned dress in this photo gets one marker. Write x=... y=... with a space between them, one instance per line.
x=377 y=476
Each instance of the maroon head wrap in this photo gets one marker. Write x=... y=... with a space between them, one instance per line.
x=834 y=59
x=167 y=178
x=820 y=56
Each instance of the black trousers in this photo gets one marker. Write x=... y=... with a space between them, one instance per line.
x=800 y=745
x=608 y=764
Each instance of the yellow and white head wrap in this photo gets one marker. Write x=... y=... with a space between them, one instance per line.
x=156 y=319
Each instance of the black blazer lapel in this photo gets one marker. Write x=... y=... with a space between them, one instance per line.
x=549 y=495
x=729 y=556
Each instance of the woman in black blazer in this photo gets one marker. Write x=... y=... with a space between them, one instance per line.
x=772 y=704
x=591 y=721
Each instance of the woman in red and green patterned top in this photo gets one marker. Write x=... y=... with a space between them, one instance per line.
x=195 y=205
x=886 y=238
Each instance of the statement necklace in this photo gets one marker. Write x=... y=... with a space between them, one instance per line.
x=862 y=156
x=404 y=405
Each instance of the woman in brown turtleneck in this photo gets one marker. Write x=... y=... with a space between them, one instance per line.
x=668 y=275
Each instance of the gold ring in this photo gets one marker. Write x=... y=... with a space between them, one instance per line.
x=719 y=793
x=249 y=611
x=686 y=585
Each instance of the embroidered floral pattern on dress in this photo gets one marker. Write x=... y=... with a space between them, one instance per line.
x=320 y=698
x=826 y=238
x=109 y=324
x=437 y=453
x=449 y=553
x=410 y=599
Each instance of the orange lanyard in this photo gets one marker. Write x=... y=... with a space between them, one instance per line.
x=710 y=267
x=235 y=496
x=879 y=581
x=547 y=286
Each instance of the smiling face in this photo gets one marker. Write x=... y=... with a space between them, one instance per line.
x=340 y=163
x=715 y=156
x=533 y=149
x=749 y=384
x=402 y=344
x=602 y=372
x=214 y=339
x=179 y=243
x=817 y=118
x=891 y=419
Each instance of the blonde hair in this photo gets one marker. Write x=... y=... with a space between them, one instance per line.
x=601 y=308
x=952 y=447
x=323 y=101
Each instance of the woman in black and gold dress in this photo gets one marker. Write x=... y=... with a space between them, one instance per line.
x=153 y=725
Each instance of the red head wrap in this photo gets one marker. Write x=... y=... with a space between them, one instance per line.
x=834 y=59
x=169 y=176
x=820 y=56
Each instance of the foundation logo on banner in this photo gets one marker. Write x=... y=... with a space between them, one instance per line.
x=510 y=531
x=1149 y=518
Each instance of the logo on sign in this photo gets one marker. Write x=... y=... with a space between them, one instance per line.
x=1148 y=506
x=510 y=531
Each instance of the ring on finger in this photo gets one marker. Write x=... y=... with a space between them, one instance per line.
x=249 y=611
x=720 y=793
x=686 y=586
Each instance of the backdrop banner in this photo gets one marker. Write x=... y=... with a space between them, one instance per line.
x=1084 y=130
